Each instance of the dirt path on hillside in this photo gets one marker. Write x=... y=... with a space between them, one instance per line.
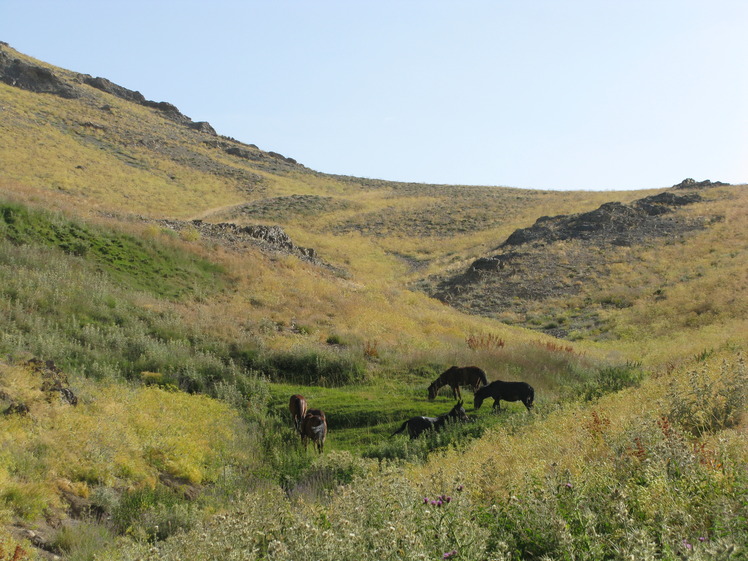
x=217 y=210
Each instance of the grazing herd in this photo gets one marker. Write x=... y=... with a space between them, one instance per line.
x=311 y=424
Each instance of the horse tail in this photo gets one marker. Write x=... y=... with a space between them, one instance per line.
x=401 y=429
x=530 y=395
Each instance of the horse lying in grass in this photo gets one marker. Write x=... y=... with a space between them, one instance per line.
x=455 y=377
x=508 y=391
x=314 y=428
x=417 y=425
x=297 y=405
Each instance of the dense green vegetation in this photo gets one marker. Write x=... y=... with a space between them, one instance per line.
x=155 y=268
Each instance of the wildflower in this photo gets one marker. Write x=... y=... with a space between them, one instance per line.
x=569 y=486
x=703 y=539
x=449 y=554
x=447 y=499
x=460 y=488
x=425 y=500
x=687 y=545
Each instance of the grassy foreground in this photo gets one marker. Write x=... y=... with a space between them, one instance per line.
x=623 y=478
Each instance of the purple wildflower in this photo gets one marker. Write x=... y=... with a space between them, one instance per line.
x=449 y=554
x=460 y=488
x=425 y=500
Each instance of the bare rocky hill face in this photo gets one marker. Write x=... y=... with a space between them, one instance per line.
x=560 y=257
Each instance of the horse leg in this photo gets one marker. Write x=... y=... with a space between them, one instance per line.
x=456 y=392
x=497 y=405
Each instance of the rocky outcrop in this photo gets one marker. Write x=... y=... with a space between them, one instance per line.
x=111 y=88
x=558 y=255
x=269 y=238
x=34 y=78
x=690 y=183
x=54 y=383
x=54 y=380
x=613 y=222
x=168 y=110
x=249 y=151
x=30 y=76
x=203 y=126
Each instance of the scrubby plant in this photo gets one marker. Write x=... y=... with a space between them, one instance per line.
x=82 y=541
x=322 y=368
x=153 y=514
x=608 y=379
x=711 y=399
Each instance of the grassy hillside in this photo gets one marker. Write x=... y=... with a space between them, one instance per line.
x=147 y=360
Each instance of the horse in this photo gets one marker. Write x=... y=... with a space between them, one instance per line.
x=314 y=428
x=457 y=376
x=297 y=405
x=508 y=391
x=317 y=412
x=417 y=425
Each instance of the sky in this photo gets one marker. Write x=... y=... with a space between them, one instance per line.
x=541 y=94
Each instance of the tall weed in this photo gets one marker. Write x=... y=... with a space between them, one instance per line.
x=710 y=399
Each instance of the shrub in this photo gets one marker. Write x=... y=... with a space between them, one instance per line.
x=152 y=514
x=82 y=541
x=711 y=400
x=306 y=367
x=608 y=380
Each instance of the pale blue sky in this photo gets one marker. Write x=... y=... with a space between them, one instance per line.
x=558 y=94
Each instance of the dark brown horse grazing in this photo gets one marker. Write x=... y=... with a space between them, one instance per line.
x=508 y=391
x=314 y=428
x=317 y=412
x=455 y=377
x=297 y=405
x=417 y=425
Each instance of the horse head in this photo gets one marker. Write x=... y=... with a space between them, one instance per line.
x=458 y=412
x=433 y=388
x=478 y=399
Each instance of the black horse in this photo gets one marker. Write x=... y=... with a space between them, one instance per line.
x=455 y=377
x=417 y=425
x=508 y=391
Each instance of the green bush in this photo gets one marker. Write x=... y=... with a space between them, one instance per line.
x=599 y=382
x=321 y=368
x=709 y=402
x=83 y=541
x=152 y=514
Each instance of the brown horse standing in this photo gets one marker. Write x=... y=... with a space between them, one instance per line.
x=314 y=428
x=455 y=377
x=297 y=405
